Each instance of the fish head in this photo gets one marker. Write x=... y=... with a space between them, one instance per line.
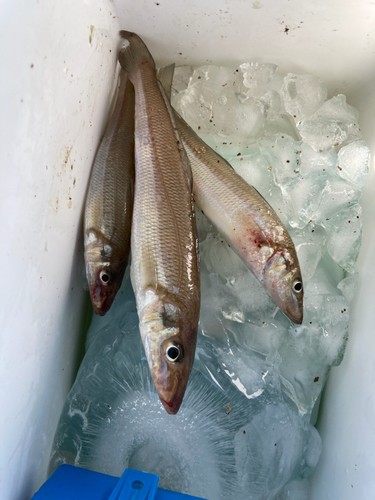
x=104 y=279
x=170 y=348
x=282 y=279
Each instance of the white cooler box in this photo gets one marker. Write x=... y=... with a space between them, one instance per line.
x=58 y=64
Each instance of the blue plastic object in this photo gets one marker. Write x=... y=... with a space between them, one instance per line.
x=74 y=483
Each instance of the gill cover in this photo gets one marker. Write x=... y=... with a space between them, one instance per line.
x=283 y=282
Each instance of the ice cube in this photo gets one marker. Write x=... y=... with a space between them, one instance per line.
x=282 y=124
x=332 y=322
x=303 y=95
x=214 y=81
x=344 y=230
x=333 y=124
x=219 y=304
x=262 y=337
x=307 y=350
x=229 y=146
x=276 y=199
x=255 y=170
x=303 y=195
x=213 y=107
x=310 y=244
x=257 y=77
x=193 y=109
x=326 y=277
x=287 y=153
x=278 y=121
x=218 y=257
x=181 y=77
x=236 y=295
x=337 y=194
x=231 y=118
x=255 y=303
x=208 y=85
x=245 y=373
x=313 y=161
x=273 y=105
x=273 y=437
x=354 y=160
x=348 y=286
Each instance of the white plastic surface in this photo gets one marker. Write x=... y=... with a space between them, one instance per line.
x=55 y=88
x=57 y=79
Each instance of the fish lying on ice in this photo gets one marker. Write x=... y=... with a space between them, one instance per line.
x=109 y=203
x=244 y=218
x=164 y=270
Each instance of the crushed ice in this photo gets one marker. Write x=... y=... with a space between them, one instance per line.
x=245 y=429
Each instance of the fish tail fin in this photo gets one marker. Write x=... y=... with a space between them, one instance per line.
x=134 y=53
x=165 y=77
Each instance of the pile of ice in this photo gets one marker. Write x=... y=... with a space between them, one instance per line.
x=245 y=429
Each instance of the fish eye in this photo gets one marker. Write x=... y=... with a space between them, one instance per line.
x=105 y=277
x=297 y=286
x=173 y=353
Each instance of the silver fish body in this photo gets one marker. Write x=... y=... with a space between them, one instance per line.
x=164 y=271
x=109 y=203
x=244 y=218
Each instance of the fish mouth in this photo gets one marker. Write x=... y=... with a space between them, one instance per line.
x=290 y=308
x=296 y=317
x=101 y=310
x=171 y=406
x=101 y=305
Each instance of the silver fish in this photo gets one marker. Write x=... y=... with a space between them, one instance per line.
x=109 y=203
x=164 y=271
x=244 y=218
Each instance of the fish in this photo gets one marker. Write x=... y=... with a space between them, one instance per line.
x=244 y=218
x=165 y=255
x=109 y=203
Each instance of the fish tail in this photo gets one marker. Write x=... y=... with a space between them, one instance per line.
x=165 y=77
x=134 y=53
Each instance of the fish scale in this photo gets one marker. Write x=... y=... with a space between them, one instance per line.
x=247 y=222
x=161 y=207
x=164 y=270
x=108 y=183
x=108 y=208
x=244 y=218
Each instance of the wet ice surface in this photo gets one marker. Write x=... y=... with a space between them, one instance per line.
x=244 y=430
